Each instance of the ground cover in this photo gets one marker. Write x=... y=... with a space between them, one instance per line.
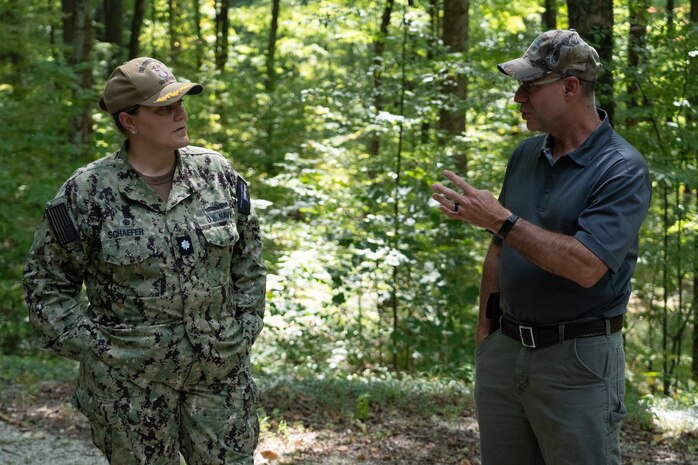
x=311 y=421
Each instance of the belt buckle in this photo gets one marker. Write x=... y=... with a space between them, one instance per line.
x=528 y=331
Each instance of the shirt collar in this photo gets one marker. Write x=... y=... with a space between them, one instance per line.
x=184 y=183
x=593 y=144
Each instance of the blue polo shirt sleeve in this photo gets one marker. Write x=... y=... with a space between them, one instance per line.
x=618 y=203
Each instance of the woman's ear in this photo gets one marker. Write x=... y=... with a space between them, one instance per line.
x=127 y=122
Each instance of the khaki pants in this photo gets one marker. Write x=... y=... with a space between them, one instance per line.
x=209 y=425
x=559 y=405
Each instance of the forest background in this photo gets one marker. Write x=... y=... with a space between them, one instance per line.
x=341 y=114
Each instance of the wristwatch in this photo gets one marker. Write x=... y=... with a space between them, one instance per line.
x=506 y=227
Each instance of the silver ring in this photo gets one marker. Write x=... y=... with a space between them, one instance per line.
x=455 y=207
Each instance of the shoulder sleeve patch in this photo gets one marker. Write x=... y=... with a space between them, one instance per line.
x=243 y=195
x=62 y=223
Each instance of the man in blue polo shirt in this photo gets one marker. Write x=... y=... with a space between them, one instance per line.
x=550 y=384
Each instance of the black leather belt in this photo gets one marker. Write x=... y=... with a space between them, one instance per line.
x=546 y=335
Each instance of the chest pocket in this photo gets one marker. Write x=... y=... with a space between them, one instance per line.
x=219 y=241
x=220 y=235
x=133 y=265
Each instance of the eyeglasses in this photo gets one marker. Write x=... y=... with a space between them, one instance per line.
x=530 y=86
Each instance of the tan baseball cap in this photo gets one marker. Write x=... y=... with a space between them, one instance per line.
x=556 y=51
x=143 y=81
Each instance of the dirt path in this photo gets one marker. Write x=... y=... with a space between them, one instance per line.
x=42 y=428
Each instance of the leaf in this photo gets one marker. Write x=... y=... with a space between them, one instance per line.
x=270 y=455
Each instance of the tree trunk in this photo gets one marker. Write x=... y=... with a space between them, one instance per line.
x=113 y=31
x=378 y=48
x=222 y=27
x=175 y=43
x=694 y=100
x=593 y=19
x=78 y=35
x=199 y=34
x=549 y=16
x=395 y=240
x=455 y=38
x=636 y=50
x=68 y=8
x=694 y=363
x=665 y=294
x=15 y=55
x=677 y=337
x=154 y=17
x=271 y=47
x=53 y=40
x=435 y=27
x=270 y=82
x=136 y=26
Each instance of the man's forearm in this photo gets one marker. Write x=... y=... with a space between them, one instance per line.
x=558 y=254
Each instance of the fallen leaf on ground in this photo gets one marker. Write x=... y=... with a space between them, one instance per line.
x=269 y=455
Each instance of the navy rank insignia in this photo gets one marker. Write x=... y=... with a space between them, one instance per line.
x=184 y=245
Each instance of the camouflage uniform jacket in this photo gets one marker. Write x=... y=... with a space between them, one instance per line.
x=170 y=285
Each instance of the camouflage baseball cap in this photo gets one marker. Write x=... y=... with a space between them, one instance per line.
x=143 y=81
x=556 y=51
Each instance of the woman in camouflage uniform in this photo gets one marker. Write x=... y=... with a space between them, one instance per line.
x=168 y=246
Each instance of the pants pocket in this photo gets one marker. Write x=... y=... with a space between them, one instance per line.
x=220 y=426
x=102 y=438
x=93 y=395
x=485 y=342
x=617 y=389
x=601 y=359
x=102 y=414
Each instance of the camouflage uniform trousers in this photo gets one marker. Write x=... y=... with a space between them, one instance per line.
x=208 y=423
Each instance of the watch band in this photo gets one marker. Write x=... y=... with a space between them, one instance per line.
x=506 y=227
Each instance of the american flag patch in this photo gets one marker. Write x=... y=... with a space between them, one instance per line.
x=61 y=223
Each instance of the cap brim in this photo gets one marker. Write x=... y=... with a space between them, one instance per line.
x=172 y=93
x=523 y=69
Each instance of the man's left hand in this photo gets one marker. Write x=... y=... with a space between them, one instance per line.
x=475 y=206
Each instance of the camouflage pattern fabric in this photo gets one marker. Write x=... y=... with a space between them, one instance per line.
x=556 y=51
x=208 y=424
x=175 y=292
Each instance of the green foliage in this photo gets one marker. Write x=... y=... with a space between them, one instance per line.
x=366 y=276
x=362 y=398
x=361 y=412
x=29 y=370
x=656 y=107
x=33 y=169
x=638 y=413
x=673 y=415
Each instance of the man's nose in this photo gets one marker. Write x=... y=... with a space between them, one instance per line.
x=520 y=95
